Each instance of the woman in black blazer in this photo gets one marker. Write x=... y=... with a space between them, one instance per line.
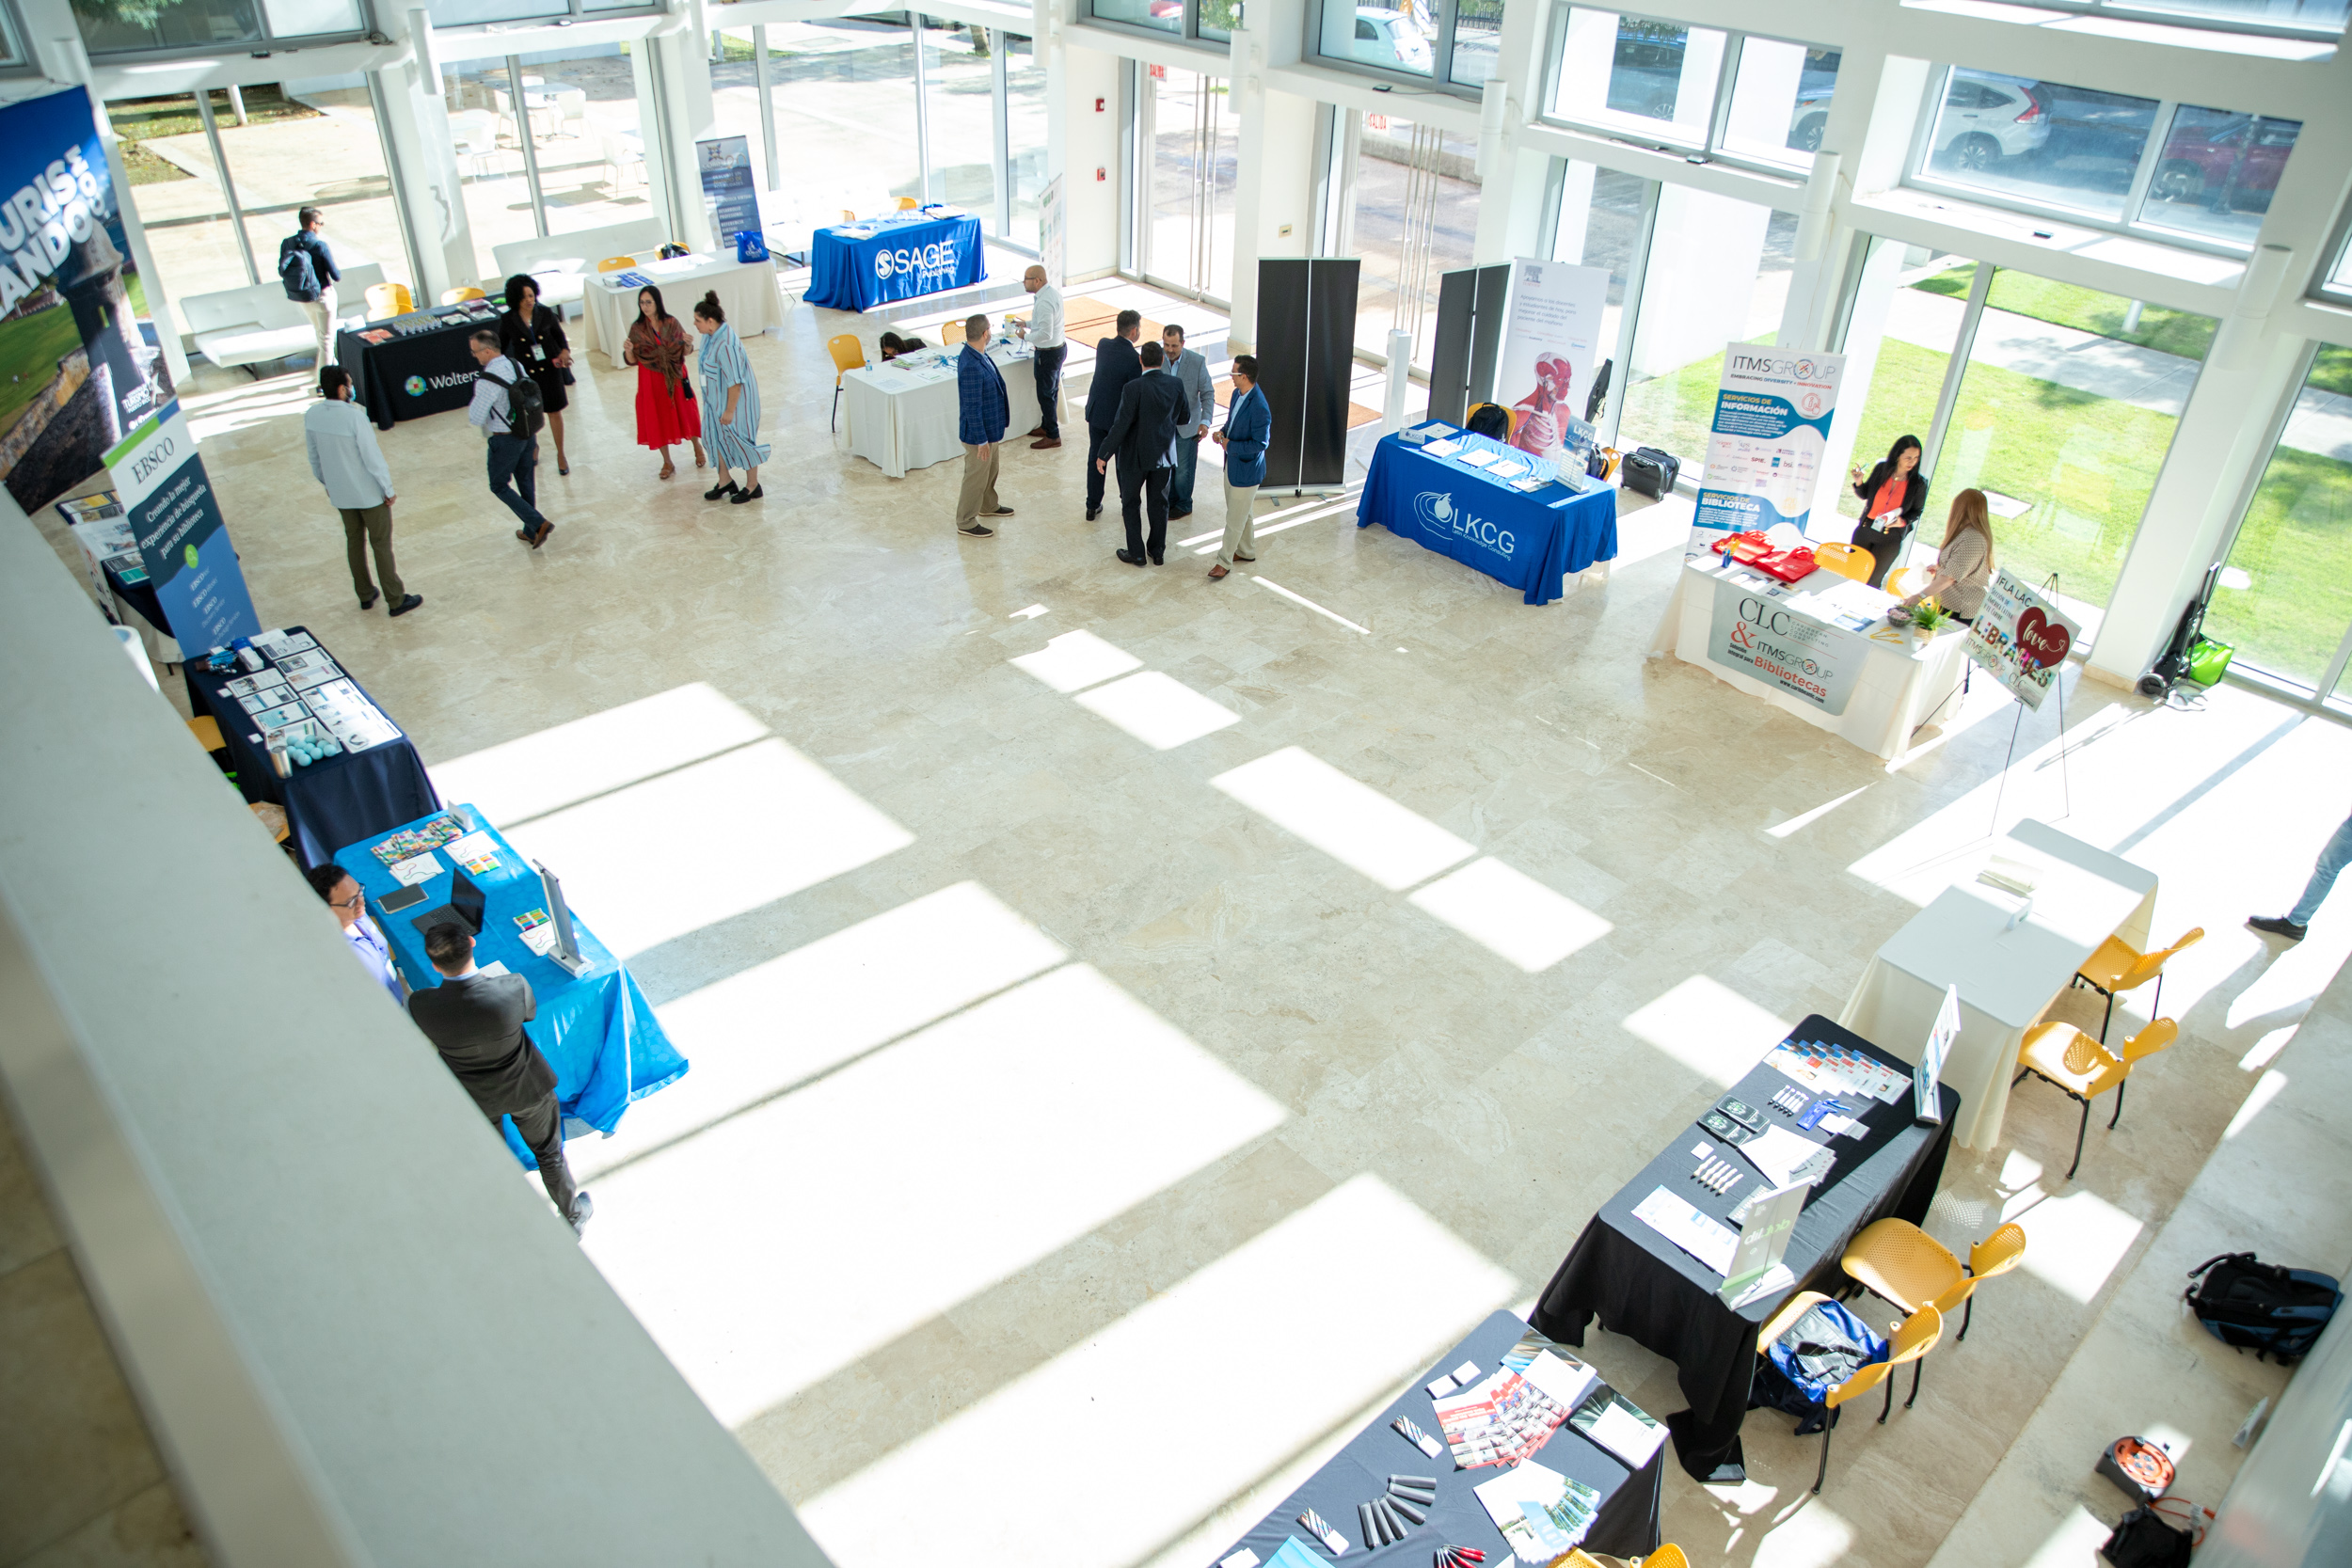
x=1893 y=496
x=531 y=335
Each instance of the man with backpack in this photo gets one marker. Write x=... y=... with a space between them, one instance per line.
x=307 y=268
x=507 y=409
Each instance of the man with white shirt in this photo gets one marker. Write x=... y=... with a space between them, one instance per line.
x=514 y=444
x=334 y=884
x=1045 y=361
x=345 y=459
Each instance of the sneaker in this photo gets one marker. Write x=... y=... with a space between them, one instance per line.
x=583 y=1209
x=408 y=604
x=2280 y=925
x=978 y=533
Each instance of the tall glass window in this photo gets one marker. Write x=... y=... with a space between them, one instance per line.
x=1168 y=16
x=1601 y=217
x=1717 y=274
x=1477 y=42
x=1923 y=320
x=1399 y=39
x=2041 y=142
x=571 y=120
x=1653 y=77
x=2285 y=598
x=959 y=93
x=1780 y=102
x=2216 y=172
x=1194 y=147
x=844 y=100
x=1024 y=138
x=1414 y=194
x=133 y=26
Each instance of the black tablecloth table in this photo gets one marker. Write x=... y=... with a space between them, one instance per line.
x=1625 y=1523
x=337 y=800
x=408 y=378
x=141 y=596
x=1642 y=1286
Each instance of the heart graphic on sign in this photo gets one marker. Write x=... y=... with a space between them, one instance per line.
x=2040 y=642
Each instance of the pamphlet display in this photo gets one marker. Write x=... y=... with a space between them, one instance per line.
x=2019 y=638
x=725 y=163
x=1770 y=433
x=1930 y=1068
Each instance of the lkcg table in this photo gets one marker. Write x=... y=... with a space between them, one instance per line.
x=2008 y=970
x=1529 y=539
x=747 y=291
x=1872 y=687
x=904 y=415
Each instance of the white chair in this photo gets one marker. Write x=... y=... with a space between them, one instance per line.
x=623 y=150
x=474 y=133
x=569 y=107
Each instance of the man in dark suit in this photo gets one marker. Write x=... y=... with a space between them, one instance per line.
x=1115 y=364
x=476 y=1022
x=1143 y=434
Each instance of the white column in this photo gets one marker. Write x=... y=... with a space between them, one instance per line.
x=673 y=75
x=431 y=189
x=1082 y=145
x=1511 y=177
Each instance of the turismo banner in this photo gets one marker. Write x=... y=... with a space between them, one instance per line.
x=76 y=372
x=1770 y=431
x=1756 y=632
x=2019 y=638
x=182 y=540
x=728 y=191
x=1549 y=341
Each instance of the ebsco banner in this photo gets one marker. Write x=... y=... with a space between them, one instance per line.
x=182 y=540
x=1771 y=431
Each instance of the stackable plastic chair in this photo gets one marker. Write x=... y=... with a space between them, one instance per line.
x=848 y=355
x=1667 y=1555
x=388 y=299
x=1913 y=1339
x=2118 y=967
x=1847 y=561
x=459 y=297
x=616 y=263
x=2085 y=1068
x=908 y=204
x=1897 y=1261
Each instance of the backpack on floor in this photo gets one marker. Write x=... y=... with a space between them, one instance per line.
x=1650 y=472
x=1824 y=1348
x=2261 y=1307
x=526 y=406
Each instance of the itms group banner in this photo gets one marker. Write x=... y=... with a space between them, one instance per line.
x=1548 y=345
x=1770 y=431
x=182 y=540
x=2020 y=639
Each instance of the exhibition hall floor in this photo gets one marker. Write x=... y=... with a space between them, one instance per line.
x=1068 y=1140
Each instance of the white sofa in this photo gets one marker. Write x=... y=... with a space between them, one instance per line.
x=560 y=262
x=255 y=324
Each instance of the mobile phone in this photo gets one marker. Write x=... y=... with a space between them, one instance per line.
x=401 y=900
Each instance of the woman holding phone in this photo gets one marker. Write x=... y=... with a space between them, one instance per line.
x=1893 y=496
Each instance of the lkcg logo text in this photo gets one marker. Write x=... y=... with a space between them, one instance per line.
x=930 y=258
x=1437 y=511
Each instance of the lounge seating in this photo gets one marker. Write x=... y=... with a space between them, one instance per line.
x=242 y=328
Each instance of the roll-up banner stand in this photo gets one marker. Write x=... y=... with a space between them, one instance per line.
x=1470 y=305
x=1306 y=363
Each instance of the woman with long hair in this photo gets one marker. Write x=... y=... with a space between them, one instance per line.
x=666 y=414
x=531 y=335
x=732 y=391
x=1893 y=496
x=1963 y=562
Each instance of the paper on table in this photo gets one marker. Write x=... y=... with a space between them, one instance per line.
x=494 y=967
x=1478 y=457
x=475 y=852
x=418 y=868
x=1626 y=1435
x=1431 y=428
x=1563 y=1381
x=1443 y=449
x=1785 y=1159
x=1686 y=1227
x=1505 y=468
x=540 y=939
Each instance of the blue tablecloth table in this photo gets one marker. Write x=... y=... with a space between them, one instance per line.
x=336 y=801
x=858 y=266
x=1528 y=539
x=598 y=1029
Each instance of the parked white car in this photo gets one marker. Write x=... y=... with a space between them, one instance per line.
x=1987 y=118
x=1392 y=39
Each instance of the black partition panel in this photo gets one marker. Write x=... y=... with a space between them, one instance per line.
x=1469 y=336
x=1306 y=359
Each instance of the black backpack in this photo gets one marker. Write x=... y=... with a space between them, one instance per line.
x=1650 y=472
x=2261 y=1307
x=295 y=271
x=526 y=409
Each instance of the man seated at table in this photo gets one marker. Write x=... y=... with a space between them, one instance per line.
x=334 y=884
x=476 y=1022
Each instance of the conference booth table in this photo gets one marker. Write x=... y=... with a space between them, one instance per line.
x=1873 y=685
x=1645 y=1286
x=856 y=266
x=1529 y=534
x=400 y=375
x=904 y=415
x=747 y=291
x=2008 y=970
x=596 y=1029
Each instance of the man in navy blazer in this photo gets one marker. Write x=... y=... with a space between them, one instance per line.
x=1249 y=427
x=1143 y=434
x=1115 y=364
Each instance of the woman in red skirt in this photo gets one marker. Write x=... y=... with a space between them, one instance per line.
x=667 y=412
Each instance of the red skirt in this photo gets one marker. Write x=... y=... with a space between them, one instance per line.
x=664 y=418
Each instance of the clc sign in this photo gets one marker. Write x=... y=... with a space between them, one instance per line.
x=1438 y=514
x=927 y=257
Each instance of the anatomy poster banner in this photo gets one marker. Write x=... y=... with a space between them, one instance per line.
x=1550 y=338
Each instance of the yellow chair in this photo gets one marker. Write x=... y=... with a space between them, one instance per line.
x=908 y=204
x=206 y=733
x=2118 y=967
x=2085 y=1068
x=1898 y=582
x=848 y=355
x=1913 y=1339
x=1667 y=1555
x=1897 y=1261
x=849 y=215
x=388 y=299
x=616 y=263
x=1847 y=561
x=459 y=297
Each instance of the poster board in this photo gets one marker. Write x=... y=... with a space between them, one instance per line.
x=729 y=193
x=2019 y=638
x=1770 y=433
x=1764 y=1236
x=1550 y=341
x=1928 y=1106
x=1759 y=631
x=182 y=539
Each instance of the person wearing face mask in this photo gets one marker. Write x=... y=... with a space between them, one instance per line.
x=1893 y=496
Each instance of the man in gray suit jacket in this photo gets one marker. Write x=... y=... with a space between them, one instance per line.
x=1192 y=371
x=476 y=1022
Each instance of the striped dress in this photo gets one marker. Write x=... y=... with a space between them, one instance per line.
x=735 y=442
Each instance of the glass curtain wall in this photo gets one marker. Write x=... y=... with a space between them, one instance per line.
x=1660 y=81
x=1602 y=216
x=547 y=144
x=1024 y=138
x=1414 y=218
x=2285 y=598
x=1924 y=321
x=1193 y=151
x=959 y=105
x=1717 y=274
x=844 y=100
x=134 y=27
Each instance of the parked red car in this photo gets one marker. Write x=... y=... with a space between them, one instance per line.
x=2232 y=162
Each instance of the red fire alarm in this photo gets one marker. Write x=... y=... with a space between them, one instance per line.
x=1098 y=106
x=1100 y=174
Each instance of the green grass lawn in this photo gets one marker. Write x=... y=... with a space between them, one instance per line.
x=139 y=120
x=2296 y=546
x=30 y=347
x=2181 y=332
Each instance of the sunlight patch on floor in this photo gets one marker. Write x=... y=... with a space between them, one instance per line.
x=2075 y=1242
x=1075 y=659
x=1709 y=1028
x=1348 y=820
x=565 y=764
x=1512 y=914
x=1158 y=709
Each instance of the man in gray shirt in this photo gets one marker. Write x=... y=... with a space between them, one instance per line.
x=345 y=458
x=514 y=444
x=1191 y=370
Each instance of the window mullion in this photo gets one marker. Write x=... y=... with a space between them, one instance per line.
x=1441 y=47
x=1726 y=77
x=2159 y=137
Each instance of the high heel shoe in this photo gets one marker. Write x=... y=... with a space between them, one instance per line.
x=719 y=490
x=751 y=495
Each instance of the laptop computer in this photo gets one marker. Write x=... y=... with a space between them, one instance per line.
x=466 y=907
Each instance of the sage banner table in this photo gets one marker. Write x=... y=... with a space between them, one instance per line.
x=1530 y=540
x=856 y=266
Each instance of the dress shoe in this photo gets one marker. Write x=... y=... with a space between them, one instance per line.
x=368 y=602
x=1218 y=573
x=1178 y=516
x=541 y=537
x=408 y=604
x=1159 y=560
x=1245 y=558
x=2280 y=925
x=1092 y=513
x=1130 y=560
x=1039 y=431
x=1045 y=445
x=751 y=495
x=1002 y=512
x=719 y=490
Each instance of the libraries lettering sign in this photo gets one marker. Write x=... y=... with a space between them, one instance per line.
x=1756 y=634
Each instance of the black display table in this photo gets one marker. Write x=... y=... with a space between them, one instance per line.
x=408 y=378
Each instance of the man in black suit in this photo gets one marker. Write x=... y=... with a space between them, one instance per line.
x=1115 y=365
x=476 y=1022
x=1143 y=434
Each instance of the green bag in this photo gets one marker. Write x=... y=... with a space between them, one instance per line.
x=2208 y=661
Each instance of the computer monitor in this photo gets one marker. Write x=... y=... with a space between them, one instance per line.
x=566 y=949
x=467 y=906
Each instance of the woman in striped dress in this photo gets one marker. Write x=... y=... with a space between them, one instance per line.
x=732 y=395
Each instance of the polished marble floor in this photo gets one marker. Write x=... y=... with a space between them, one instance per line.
x=1120 y=1001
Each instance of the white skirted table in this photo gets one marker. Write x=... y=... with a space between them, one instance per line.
x=747 y=291
x=2008 y=973
x=904 y=415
